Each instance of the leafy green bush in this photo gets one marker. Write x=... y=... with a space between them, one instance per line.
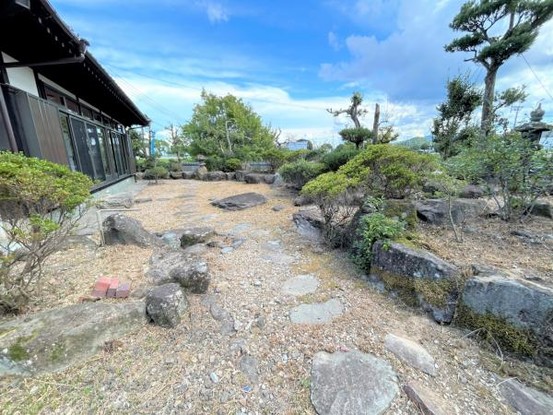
x=215 y=163
x=375 y=227
x=40 y=202
x=232 y=164
x=175 y=166
x=389 y=171
x=276 y=157
x=300 y=172
x=140 y=164
x=337 y=158
x=512 y=170
x=156 y=173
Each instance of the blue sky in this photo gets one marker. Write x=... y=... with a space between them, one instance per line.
x=291 y=60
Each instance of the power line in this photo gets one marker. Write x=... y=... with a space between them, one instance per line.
x=268 y=101
x=536 y=76
x=145 y=98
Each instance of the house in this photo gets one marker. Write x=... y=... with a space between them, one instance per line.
x=301 y=144
x=56 y=101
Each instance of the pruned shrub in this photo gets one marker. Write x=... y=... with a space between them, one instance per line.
x=232 y=164
x=389 y=171
x=337 y=158
x=156 y=173
x=300 y=172
x=276 y=157
x=380 y=171
x=40 y=203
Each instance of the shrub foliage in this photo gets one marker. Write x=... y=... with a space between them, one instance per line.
x=40 y=202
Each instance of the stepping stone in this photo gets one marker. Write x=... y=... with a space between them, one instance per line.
x=239 y=202
x=351 y=383
x=318 y=313
x=300 y=285
x=411 y=353
x=426 y=400
x=241 y=227
x=526 y=400
x=248 y=366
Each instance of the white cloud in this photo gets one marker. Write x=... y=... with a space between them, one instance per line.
x=216 y=12
x=333 y=41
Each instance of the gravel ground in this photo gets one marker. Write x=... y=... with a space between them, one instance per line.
x=237 y=351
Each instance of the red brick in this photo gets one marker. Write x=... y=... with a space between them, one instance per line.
x=112 y=288
x=101 y=287
x=123 y=290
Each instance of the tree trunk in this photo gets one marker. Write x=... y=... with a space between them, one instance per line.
x=487 y=104
x=375 y=123
x=354 y=118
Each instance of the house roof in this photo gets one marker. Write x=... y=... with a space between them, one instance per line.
x=38 y=35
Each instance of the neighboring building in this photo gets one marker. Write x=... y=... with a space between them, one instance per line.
x=56 y=101
x=301 y=144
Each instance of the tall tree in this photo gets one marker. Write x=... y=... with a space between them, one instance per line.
x=354 y=111
x=491 y=46
x=227 y=127
x=452 y=128
x=358 y=134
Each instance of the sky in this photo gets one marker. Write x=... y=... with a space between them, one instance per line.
x=291 y=60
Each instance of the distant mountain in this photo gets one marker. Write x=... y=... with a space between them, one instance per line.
x=416 y=142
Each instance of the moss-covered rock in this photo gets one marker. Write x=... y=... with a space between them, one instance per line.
x=418 y=278
x=55 y=339
x=516 y=314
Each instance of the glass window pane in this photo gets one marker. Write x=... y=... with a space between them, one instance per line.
x=64 y=120
x=95 y=151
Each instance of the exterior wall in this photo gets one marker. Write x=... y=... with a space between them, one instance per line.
x=22 y=78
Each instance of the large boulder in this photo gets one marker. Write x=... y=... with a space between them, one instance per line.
x=176 y=266
x=471 y=191
x=215 y=176
x=188 y=175
x=175 y=175
x=351 y=383
x=192 y=236
x=166 y=304
x=303 y=200
x=437 y=211
x=240 y=202
x=122 y=229
x=122 y=201
x=543 y=209
x=254 y=178
x=200 y=173
x=518 y=314
x=309 y=223
x=418 y=277
x=53 y=340
x=240 y=175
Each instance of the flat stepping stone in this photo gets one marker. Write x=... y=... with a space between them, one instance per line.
x=318 y=313
x=426 y=400
x=351 y=383
x=526 y=400
x=411 y=353
x=300 y=285
x=240 y=202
